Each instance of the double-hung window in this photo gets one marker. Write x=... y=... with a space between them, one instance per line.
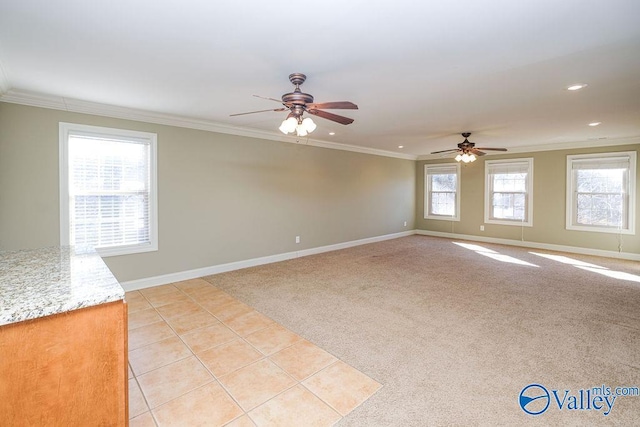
x=442 y=192
x=601 y=192
x=509 y=192
x=108 y=189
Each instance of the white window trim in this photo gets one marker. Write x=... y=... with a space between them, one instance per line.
x=427 y=200
x=487 y=195
x=64 y=130
x=631 y=189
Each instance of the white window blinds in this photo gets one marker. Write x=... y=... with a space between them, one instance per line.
x=508 y=168
x=442 y=170
x=602 y=163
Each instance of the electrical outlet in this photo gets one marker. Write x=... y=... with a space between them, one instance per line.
x=405 y=223
x=482 y=228
x=297 y=239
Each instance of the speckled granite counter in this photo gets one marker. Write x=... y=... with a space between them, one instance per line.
x=39 y=282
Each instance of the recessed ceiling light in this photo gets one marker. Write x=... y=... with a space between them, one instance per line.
x=400 y=146
x=577 y=86
x=332 y=133
x=594 y=124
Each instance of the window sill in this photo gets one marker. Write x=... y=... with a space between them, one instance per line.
x=126 y=250
x=443 y=217
x=507 y=222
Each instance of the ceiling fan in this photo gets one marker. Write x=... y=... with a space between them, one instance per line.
x=298 y=102
x=467 y=151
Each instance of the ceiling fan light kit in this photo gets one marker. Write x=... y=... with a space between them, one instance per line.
x=465 y=158
x=298 y=102
x=300 y=126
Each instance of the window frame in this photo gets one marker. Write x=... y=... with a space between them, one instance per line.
x=67 y=129
x=488 y=186
x=427 y=191
x=572 y=208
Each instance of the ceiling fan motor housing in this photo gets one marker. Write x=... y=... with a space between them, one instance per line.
x=466 y=145
x=297 y=98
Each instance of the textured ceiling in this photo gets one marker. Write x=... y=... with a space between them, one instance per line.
x=420 y=71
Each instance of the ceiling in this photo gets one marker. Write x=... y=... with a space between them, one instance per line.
x=420 y=71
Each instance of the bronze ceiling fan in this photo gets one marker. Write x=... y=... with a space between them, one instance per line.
x=298 y=102
x=467 y=150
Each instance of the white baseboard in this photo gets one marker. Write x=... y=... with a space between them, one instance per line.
x=133 y=285
x=534 y=245
x=148 y=282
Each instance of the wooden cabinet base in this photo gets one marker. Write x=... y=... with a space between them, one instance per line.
x=67 y=369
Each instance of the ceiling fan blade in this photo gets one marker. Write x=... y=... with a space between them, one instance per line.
x=339 y=105
x=477 y=152
x=259 y=111
x=445 y=151
x=493 y=149
x=269 y=99
x=330 y=116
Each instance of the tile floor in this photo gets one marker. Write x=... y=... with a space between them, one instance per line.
x=198 y=356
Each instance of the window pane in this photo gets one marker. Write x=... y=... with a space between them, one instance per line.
x=604 y=210
x=106 y=165
x=109 y=191
x=510 y=182
x=441 y=187
x=509 y=196
x=600 y=180
x=443 y=203
x=511 y=206
x=102 y=221
x=443 y=182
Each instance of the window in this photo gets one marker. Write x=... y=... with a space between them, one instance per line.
x=108 y=189
x=508 y=192
x=601 y=192
x=442 y=192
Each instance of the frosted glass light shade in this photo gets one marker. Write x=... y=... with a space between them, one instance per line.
x=308 y=125
x=289 y=125
x=301 y=131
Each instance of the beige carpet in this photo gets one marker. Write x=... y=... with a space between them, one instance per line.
x=455 y=333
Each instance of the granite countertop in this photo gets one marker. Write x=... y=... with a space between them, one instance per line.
x=40 y=282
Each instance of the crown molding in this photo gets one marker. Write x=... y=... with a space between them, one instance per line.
x=87 y=107
x=94 y=108
x=4 y=81
x=609 y=142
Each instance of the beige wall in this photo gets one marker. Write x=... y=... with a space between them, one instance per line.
x=549 y=194
x=222 y=198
